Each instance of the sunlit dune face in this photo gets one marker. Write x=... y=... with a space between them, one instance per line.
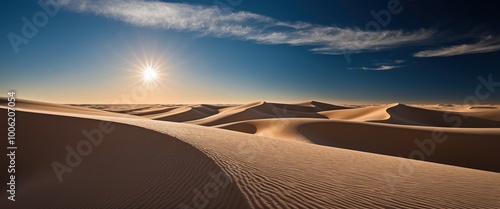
x=149 y=74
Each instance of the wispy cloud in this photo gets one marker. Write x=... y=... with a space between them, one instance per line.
x=389 y=65
x=217 y=22
x=487 y=44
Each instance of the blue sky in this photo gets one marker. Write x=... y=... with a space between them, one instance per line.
x=283 y=51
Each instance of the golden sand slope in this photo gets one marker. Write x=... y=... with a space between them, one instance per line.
x=404 y=114
x=461 y=116
x=44 y=107
x=489 y=112
x=370 y=113
x=184 y=113
x=466 y=147
x=282 y=174
x=257 y=110
x=397 y=113
x=159 y=164
x=132 y=168
x=152 y=111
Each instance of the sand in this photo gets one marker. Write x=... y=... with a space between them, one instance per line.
x=306 y=155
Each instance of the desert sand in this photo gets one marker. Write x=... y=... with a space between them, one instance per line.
x=257 y=155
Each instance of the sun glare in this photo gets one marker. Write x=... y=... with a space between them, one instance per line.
x=151 y=69
x=149 y=74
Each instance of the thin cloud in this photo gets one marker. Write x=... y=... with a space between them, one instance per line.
x=383 y=66
x=398 y=61
x=217 y=22
x=488 y=44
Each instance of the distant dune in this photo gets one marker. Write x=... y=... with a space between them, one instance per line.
x=482 y=107
x=260 y=110
x=388 y=139
x=306 y=155
x=185 y=113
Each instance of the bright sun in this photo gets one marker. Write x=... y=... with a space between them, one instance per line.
x=149 y=74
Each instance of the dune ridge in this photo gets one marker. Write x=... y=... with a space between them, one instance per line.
x=183 y=114
x=132 y=168
x=264 y=173
x=155 y=164
x=370 y=113
x=257 y=110
x=407 y=115
x=395 y=140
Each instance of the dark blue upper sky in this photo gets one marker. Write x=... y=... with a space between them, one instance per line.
x=336 y=51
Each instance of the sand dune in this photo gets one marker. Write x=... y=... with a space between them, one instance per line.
x=466 y=147
x=493 y=114
x=440 y=115
x=488 y=112
x=258 y=110
x=50 y=108
x=217 y=107
x=129 y=109
x=370 y=113
x=309 y=106
x=131 y=168
x=152 y=111
x=318 y=176
x=185 y=113
x=157 y=164
x=287 y=161
x=407 y=115
x=482 y=107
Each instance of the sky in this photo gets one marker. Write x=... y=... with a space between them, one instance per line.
x=240 y=51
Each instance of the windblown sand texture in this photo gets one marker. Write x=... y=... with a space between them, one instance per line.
x=259 y=155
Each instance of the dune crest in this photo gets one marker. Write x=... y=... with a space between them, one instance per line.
x=388 y=139
x=283 y=163
x=370 y=113
x=257 y=110
x=407 y=115
x=185 y=113
x=131 y=168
